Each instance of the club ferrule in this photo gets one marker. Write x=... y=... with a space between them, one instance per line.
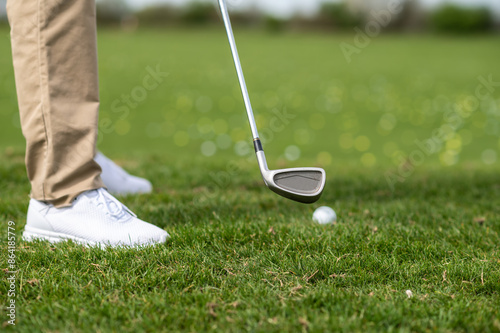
x=258 y=145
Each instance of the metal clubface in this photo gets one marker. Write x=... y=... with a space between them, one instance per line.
x=300 y=184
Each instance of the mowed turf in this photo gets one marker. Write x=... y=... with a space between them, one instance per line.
x=240 y=257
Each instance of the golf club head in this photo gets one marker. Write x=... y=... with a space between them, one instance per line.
x=303 y=185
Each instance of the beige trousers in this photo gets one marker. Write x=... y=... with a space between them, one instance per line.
x=55 y=63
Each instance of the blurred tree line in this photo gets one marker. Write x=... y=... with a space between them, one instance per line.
x=333 y=16
x=450 y=18
x=337 y=16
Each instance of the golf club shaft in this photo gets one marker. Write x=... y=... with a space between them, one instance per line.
x=239 y=70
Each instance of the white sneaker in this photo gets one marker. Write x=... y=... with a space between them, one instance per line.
x=118 y=181
x=96 y=218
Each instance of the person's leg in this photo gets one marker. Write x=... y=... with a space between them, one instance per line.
x=55 y=61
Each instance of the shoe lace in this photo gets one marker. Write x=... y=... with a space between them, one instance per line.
x=114 y=207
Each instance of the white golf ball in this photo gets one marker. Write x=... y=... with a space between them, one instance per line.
x=324 y=215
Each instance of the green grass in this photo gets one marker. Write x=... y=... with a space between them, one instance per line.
x=241 y=258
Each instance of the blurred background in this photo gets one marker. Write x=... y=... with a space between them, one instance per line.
x=460 y=16
x=353 y=82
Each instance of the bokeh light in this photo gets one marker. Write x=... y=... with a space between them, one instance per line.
x=448 y=157
x=184 y=103
x=368 y=159
x=489 y=156
x=208 y=148
x=324 y=159
x=387 y=123
x=362 y=143
x=242 y=148
x=346 y=141
x=302 y=136
x=292 y=153
x=389 y=148
x=122 y=127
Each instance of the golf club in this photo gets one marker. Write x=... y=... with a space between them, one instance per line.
x=299 y=184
